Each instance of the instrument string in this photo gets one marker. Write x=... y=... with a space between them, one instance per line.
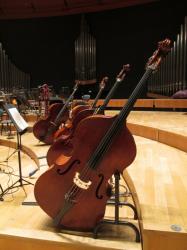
x=113 y=130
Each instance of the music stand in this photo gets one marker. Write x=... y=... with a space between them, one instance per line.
x=21 y=127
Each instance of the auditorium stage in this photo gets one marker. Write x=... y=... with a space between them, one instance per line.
x=157 y=180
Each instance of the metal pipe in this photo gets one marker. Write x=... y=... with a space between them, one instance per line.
x=181 y=58
x=177 y=62
x=174 y=68
x=184 y=53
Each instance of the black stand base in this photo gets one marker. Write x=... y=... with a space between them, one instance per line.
x=112 y=222
x=116 y=220
x=18 y=183
x=21 y=181
x=1 y=199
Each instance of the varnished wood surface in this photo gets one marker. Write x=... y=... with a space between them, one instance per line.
x=159 y=175
x=157 y=179
x=166 y=127
x=175 y=122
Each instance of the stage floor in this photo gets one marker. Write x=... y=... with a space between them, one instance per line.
x=159 y=178
x=175 y=122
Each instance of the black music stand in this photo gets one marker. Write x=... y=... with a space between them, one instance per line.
x=21 y=127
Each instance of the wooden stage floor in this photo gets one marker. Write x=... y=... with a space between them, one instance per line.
x=157 y=180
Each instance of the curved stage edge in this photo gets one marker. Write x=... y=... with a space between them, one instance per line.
x=158 y=232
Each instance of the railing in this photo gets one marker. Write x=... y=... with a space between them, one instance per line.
x=151 y=104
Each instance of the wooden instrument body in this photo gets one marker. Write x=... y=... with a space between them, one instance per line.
x=77 y=109
x=53 y=185
x=62 y=144
x=80 y=116
x=66 y=130
x=41 y=128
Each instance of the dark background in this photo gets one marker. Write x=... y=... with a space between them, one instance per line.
x=44 y=47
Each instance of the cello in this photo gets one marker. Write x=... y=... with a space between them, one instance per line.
x=74 y=191
x=62 y=144
x=45 y=129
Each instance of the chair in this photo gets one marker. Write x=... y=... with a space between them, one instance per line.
x=6 y=124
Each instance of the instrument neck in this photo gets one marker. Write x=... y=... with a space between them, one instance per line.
x=110 y=94
x=134 y=96
x=58 y=118
x=97 y=98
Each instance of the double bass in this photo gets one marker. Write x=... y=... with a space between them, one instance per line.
x=45 y=129
x=74 y=191
x=62 y=143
